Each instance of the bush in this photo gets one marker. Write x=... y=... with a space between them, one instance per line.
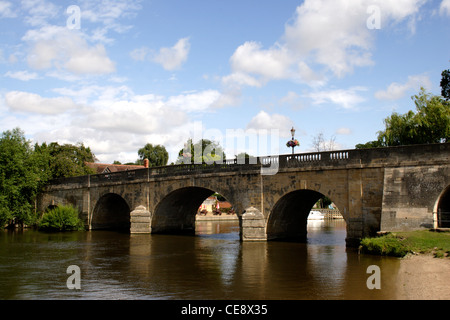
x=388 y=245
x=64 y=218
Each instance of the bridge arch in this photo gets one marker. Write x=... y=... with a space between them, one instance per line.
x=443 y=209
x=111 y=212
x=288 y=217
x=175 y=213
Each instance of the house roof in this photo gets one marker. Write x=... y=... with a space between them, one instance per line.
x=105 y=168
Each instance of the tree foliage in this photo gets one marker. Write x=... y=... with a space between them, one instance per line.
x=67 y=160
x=64 y=218
x=156 y=155
x=25 y=170
x=204 y=151
x=20 y=178
x=430 y=123
x=445 y=84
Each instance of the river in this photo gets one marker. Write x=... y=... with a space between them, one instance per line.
x=212 y=265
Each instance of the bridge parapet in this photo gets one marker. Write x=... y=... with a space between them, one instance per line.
x=355 y=158
x=375 y=157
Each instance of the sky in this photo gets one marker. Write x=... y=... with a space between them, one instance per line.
x=116 y=75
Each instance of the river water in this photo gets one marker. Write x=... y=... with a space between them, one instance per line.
x=212 y=265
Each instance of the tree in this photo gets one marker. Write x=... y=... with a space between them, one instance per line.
x=320 y=144
x=445 y=84
x=429 y=124
x=157 y=155
x=20 y=178
x=204 y=151
x=25 y=170
x=67 y=160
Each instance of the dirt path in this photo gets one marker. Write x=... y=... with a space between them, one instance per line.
x=423 y=277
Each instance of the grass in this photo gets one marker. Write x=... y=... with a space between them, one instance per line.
x=399 y=244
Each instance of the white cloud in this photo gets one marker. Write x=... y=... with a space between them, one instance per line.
x=193 y=102
x=112 y=120
x=344 y=131
x=29 y=102
x=398 y=90
x=269 y=64
x=22 y=75
x=140 y=54
x=64 y=49
x=324 y=37
x=172 y=58
x=6 y=10
x=345 y=98
x=266 y=121
x=108 y=12
x=39 y=12
x=169 y=58
x=444 y=9
x=241 y=79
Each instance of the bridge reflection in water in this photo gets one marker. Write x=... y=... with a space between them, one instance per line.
x=207 y=266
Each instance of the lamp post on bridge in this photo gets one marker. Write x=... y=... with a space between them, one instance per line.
x=293 y=142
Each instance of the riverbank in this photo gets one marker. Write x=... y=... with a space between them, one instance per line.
x=210 y=217
x=399 y=244
x=424 y=277
x=424 y=271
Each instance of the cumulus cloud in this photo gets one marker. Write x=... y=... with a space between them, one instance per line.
x=6 y=10
x=398 y=90
x=22 y=75
x=169 y=58
x=345 y=98
x=172 y=58
x=29 y=102
x=266 y=121
x=194 y=102
x=444 y=8
x=66 y=50
x=324 y=37
x=39 y=12
x=112 y=120
x=269 y=64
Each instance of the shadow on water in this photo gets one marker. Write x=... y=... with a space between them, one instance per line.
x=213 y=264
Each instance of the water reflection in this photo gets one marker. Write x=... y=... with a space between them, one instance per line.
x=212 y=265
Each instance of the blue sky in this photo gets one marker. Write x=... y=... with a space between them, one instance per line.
x=116 y=75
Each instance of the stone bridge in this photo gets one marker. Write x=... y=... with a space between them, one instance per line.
x=381 y=189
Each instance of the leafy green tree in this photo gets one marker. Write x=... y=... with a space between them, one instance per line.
x=445 y=84
x=156 y=155
x=20 y=178
x=67 y=160
x=204 y=151
x=429 y=124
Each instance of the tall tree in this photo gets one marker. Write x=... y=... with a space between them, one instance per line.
x=445 y=84
x=20 y=178
x=204 y=151
x=156 y=155
x=429 y=124
x=68 y=160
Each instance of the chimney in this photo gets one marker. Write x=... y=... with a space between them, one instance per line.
x=146 y=163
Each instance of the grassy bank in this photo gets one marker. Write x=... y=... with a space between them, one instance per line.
x=399 y=244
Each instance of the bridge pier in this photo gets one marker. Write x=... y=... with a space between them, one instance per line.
x=252 y=225
x=140 y=220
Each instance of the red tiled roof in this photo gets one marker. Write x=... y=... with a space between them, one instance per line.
x=103 y=167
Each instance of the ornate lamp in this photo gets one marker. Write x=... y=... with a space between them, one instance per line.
x=293 y=142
